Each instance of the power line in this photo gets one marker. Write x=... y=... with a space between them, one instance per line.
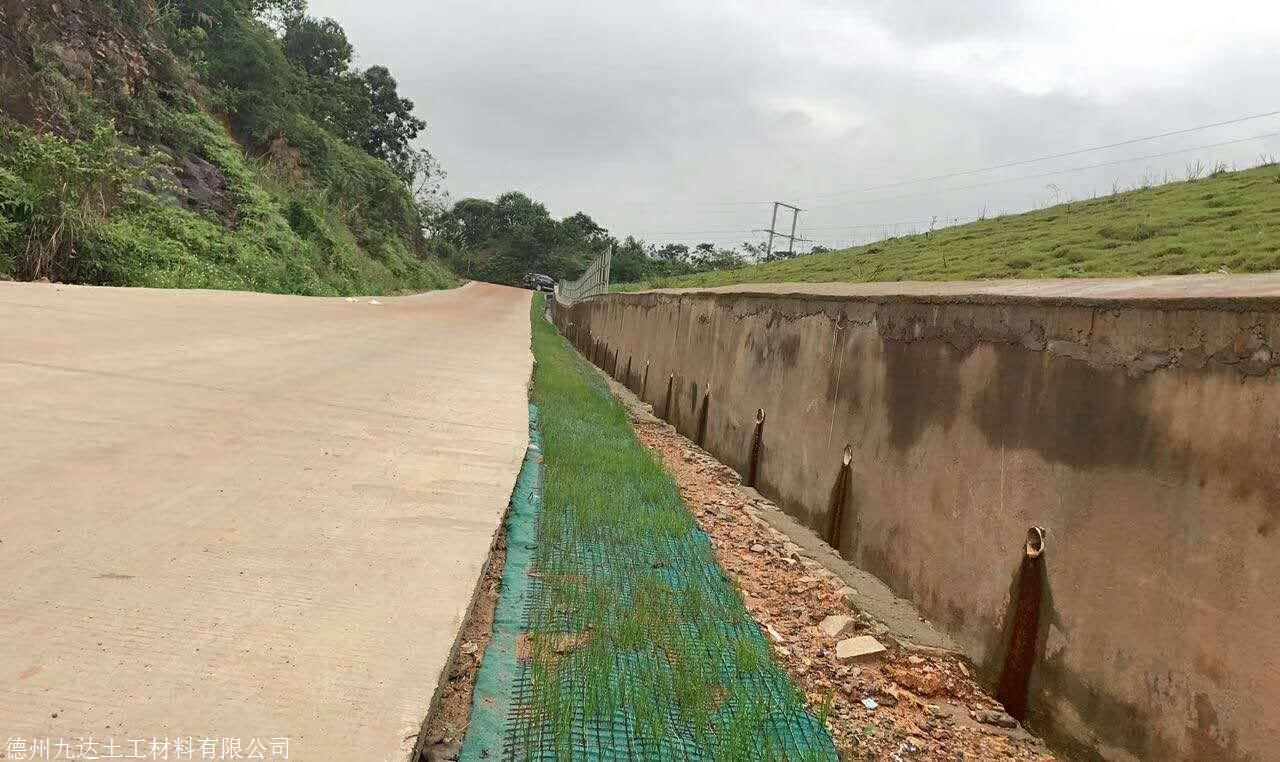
x=1041 y=175
x=694 y=232
x=642 y=205
x=1053 y=173
x=1048 y=157
x=728 y=206
x=869 y=225
x=684 y=238
x=939 y=220
x=728 y=235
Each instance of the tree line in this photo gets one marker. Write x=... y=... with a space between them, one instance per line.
x=500 y=241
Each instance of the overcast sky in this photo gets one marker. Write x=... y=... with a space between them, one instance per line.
x=661 y=118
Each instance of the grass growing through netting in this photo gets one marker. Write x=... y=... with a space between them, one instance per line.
x=640 y=647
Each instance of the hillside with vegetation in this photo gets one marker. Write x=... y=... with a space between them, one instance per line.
x=1225 y=222
x=224 y=144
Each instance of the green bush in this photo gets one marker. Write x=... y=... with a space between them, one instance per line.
x=10 y=235
x=170 y=247
x=173 y=248
x=375 y=202
x=54 y=193
x=16 y=203
x=73 y=210
x=247 y=71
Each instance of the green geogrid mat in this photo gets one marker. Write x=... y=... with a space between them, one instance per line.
x=606 y=685
x=602 y=688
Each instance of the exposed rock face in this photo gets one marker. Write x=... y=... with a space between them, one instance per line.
x=205 y=186
x=84 y=43
x=189 y=181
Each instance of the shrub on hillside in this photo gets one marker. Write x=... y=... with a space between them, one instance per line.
x=55 y=192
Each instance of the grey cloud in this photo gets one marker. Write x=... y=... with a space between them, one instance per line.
x=937 y=21
x=646 y=116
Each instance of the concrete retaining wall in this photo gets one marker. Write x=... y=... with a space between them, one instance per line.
x=1138 y=423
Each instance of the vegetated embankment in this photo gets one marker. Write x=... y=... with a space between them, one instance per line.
x=1134 y=421
x=1227 y=220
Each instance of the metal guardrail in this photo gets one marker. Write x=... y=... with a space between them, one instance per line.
x=593 y=282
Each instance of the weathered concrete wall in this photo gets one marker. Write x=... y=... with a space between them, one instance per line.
x=1144 y=434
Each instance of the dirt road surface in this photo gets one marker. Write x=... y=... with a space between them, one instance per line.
x=243 y=516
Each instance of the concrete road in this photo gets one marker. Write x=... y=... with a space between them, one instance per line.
x=243 y=516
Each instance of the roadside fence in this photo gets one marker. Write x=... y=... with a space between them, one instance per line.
x=593 y=282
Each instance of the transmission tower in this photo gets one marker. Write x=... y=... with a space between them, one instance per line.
x=773 y=231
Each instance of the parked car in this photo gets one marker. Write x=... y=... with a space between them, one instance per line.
x=539 y=282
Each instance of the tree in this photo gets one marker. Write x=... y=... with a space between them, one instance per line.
x=336 y=97
x=392 y=126
x=581 y=228
x=280 y=75
x=317 y=46
x=277 y=13
x=472 y=223
x=274 y=13
x=514 y=234
x=427 y=186
x=630 y=262
x=254 y=81
x=707 y=257
x=363 y=108
x=754 y=251
x=676 y=253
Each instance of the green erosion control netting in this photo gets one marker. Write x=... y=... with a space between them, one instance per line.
x=633 y=643
x=633 y=691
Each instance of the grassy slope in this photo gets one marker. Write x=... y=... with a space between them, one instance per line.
x=636 y=619
x=290 y=238
x=1231 y=220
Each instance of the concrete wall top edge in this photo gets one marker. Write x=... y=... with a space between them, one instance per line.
x=1236 y=293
